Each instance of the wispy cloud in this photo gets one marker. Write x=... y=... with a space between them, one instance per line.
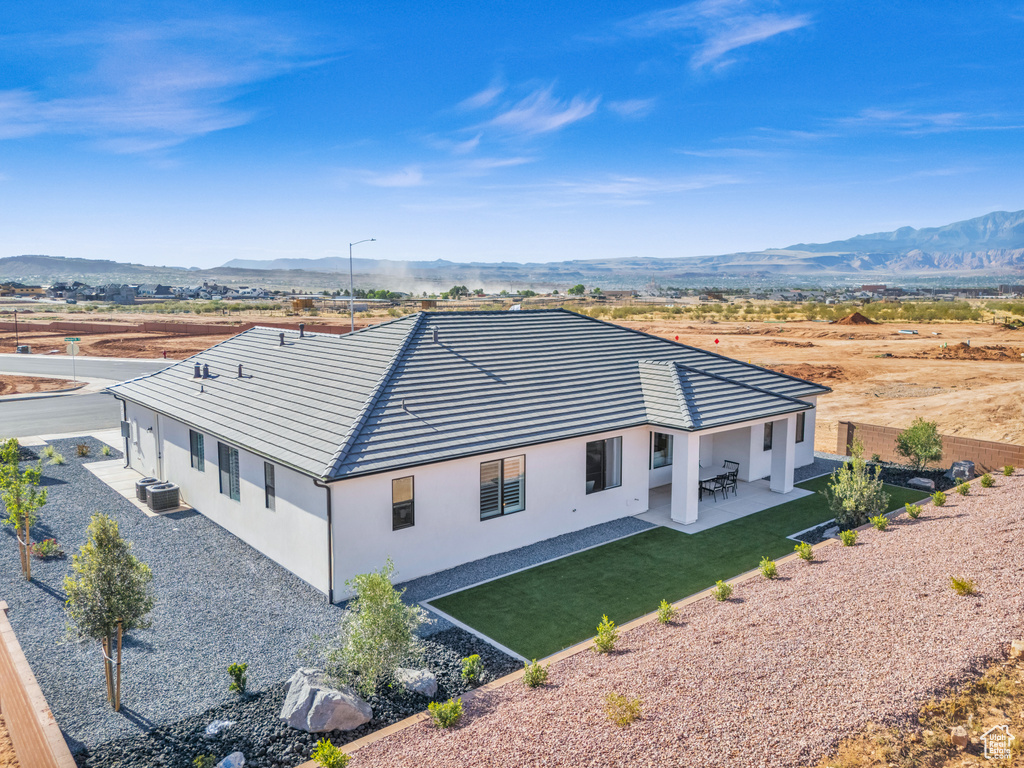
x=147 y=88
x=911 y=122
x=483 y=98
x=411 y=176
x=636 y=190
x=632 y=108
x=716 y=27
x=541 y=112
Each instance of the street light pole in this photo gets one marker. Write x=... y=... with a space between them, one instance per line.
x=351 y=283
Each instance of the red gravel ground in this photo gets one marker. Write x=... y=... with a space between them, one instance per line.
x=777 y=675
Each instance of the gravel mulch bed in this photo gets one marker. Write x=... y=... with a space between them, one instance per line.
x=779 y=673
x=492 y=567
x=266 y=742
x=218 y=601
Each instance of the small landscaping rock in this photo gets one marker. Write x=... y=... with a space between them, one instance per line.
x=1016 y=649
x=312 y=705
x=959 y=737
x=922 y=483
x=417 y=681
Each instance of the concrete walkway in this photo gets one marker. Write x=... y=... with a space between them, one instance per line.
x=122 y=479
x=749 y=499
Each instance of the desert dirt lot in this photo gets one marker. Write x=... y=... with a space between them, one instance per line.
x=7 y=756
x=20 y=385
x=880 y=376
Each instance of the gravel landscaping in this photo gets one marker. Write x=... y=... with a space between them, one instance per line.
x=218 y=601
x=266 y=742
x=779 y=673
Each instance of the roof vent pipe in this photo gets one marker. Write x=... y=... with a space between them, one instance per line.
x=197 y=373
x=302 y=330
x=435 y=335
x=239 y=370
x=282 y=339
x=206 y=371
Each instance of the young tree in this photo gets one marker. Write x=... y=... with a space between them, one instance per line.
x=22 y=496
x=920 y=442
x=109 y=594
x=856 y=493
x=577 y=290
x=377 y=634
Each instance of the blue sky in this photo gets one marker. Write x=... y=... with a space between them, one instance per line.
x=190 y=134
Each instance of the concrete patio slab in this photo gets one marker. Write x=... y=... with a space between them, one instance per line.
x=122 y=479
x=750 y=498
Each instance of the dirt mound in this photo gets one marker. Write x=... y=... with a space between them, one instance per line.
x=819 y=374
x=19 y=385
x=780 y=343
x=856 y=319
x=964 y=351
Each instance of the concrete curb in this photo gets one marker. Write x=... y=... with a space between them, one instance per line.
x=43 y=395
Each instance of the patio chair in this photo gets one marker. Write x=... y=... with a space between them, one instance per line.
x=712 y=486
x=729 y=482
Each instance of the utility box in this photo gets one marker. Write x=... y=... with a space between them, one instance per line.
x=24 y=349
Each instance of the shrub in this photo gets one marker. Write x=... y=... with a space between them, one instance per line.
x=620 y=709
x=105 y=450
x=445 y=714
x=56 y=458
x=607 y=636
x=768 y=568
x=48 y=452
x=805 y=551
x=326 y=755
x=238 y=678
x=82 y=449
x=535 y=674
x=722 y=591
x=963 y=586
x=876 y=458
x=376 y=635
x=1008 y=470
x=964 y=489
x=987 y=481
x=666 y=613
x=47 y=548
x=920 y=442
x=204 y=761
x=849 y=538
x=855 y=493
x=880 y=522
x=913 y=510
x=938 y=498
x=472 y=669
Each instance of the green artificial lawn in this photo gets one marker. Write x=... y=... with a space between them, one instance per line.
x=542 y=610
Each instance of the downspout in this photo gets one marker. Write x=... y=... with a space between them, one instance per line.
x=330 y=541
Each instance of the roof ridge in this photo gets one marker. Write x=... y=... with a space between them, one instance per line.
x=754 y=387
x=371 y=400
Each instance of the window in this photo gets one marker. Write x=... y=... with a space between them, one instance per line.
x=768 y=436
x=402 y=506
x=227 y=458
x=801 y=420
x=502 y=487
x=661 y=450
x=269 y=485
x=195 y=441
x=604 y=464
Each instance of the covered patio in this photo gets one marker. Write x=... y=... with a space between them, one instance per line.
x=750 y=498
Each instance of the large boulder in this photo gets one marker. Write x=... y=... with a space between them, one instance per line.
x=417 y=680
x=312 y=705
x=234 y=760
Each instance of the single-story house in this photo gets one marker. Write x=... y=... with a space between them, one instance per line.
x=440 y=438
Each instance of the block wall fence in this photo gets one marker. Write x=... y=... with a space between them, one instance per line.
x=987 y=455
x=37 y=739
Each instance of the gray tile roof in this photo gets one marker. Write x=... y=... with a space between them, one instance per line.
x=389 y=396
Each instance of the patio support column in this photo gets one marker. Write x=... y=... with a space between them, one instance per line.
x=783 y=454
x=685 y=476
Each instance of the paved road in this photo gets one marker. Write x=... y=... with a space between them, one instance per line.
x=90 y=367
x=56 y=415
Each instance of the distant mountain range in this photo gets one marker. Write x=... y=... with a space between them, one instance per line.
x=967 y=252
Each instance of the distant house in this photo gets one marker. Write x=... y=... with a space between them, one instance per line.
x=440 y=438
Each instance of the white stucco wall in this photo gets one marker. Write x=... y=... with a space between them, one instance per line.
x=448 y=529
x=805 y=450
x=294 y=534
